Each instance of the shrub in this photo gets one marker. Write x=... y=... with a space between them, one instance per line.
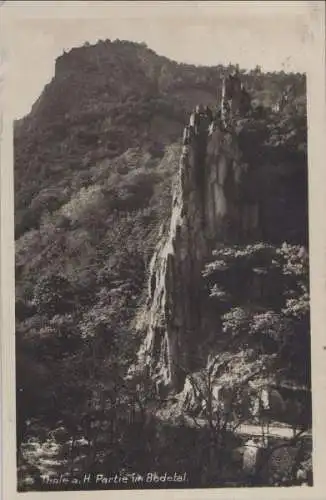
x=53 y=294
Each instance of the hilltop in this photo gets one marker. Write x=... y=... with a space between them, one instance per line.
x=105 y=99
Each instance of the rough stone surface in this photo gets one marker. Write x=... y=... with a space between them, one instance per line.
x=207 y=207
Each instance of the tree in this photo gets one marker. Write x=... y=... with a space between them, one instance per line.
x=270 y=314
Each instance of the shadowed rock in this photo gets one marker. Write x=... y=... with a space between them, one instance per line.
x=207 y=207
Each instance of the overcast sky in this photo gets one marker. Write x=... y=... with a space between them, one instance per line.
x=274 y=35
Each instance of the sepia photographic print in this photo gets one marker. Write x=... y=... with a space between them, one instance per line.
x=160 y=330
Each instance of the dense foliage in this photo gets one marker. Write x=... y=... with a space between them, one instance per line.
x=262 y=293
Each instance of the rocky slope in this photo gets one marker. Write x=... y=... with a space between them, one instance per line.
x=207 y=207
x=222 y=195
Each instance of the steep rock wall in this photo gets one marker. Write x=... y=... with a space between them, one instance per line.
x=208 y=206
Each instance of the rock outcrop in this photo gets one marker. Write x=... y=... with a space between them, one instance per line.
x=208 y=206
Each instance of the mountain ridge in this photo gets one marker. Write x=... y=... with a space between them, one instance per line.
x=76 y=114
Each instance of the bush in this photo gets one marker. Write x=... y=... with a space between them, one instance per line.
x=53 y=294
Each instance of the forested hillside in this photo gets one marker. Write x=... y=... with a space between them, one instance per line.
x=94 y=165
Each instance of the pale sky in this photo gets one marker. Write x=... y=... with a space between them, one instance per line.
x=275 y=35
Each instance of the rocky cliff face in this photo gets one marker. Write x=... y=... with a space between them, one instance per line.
x=208 y=207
